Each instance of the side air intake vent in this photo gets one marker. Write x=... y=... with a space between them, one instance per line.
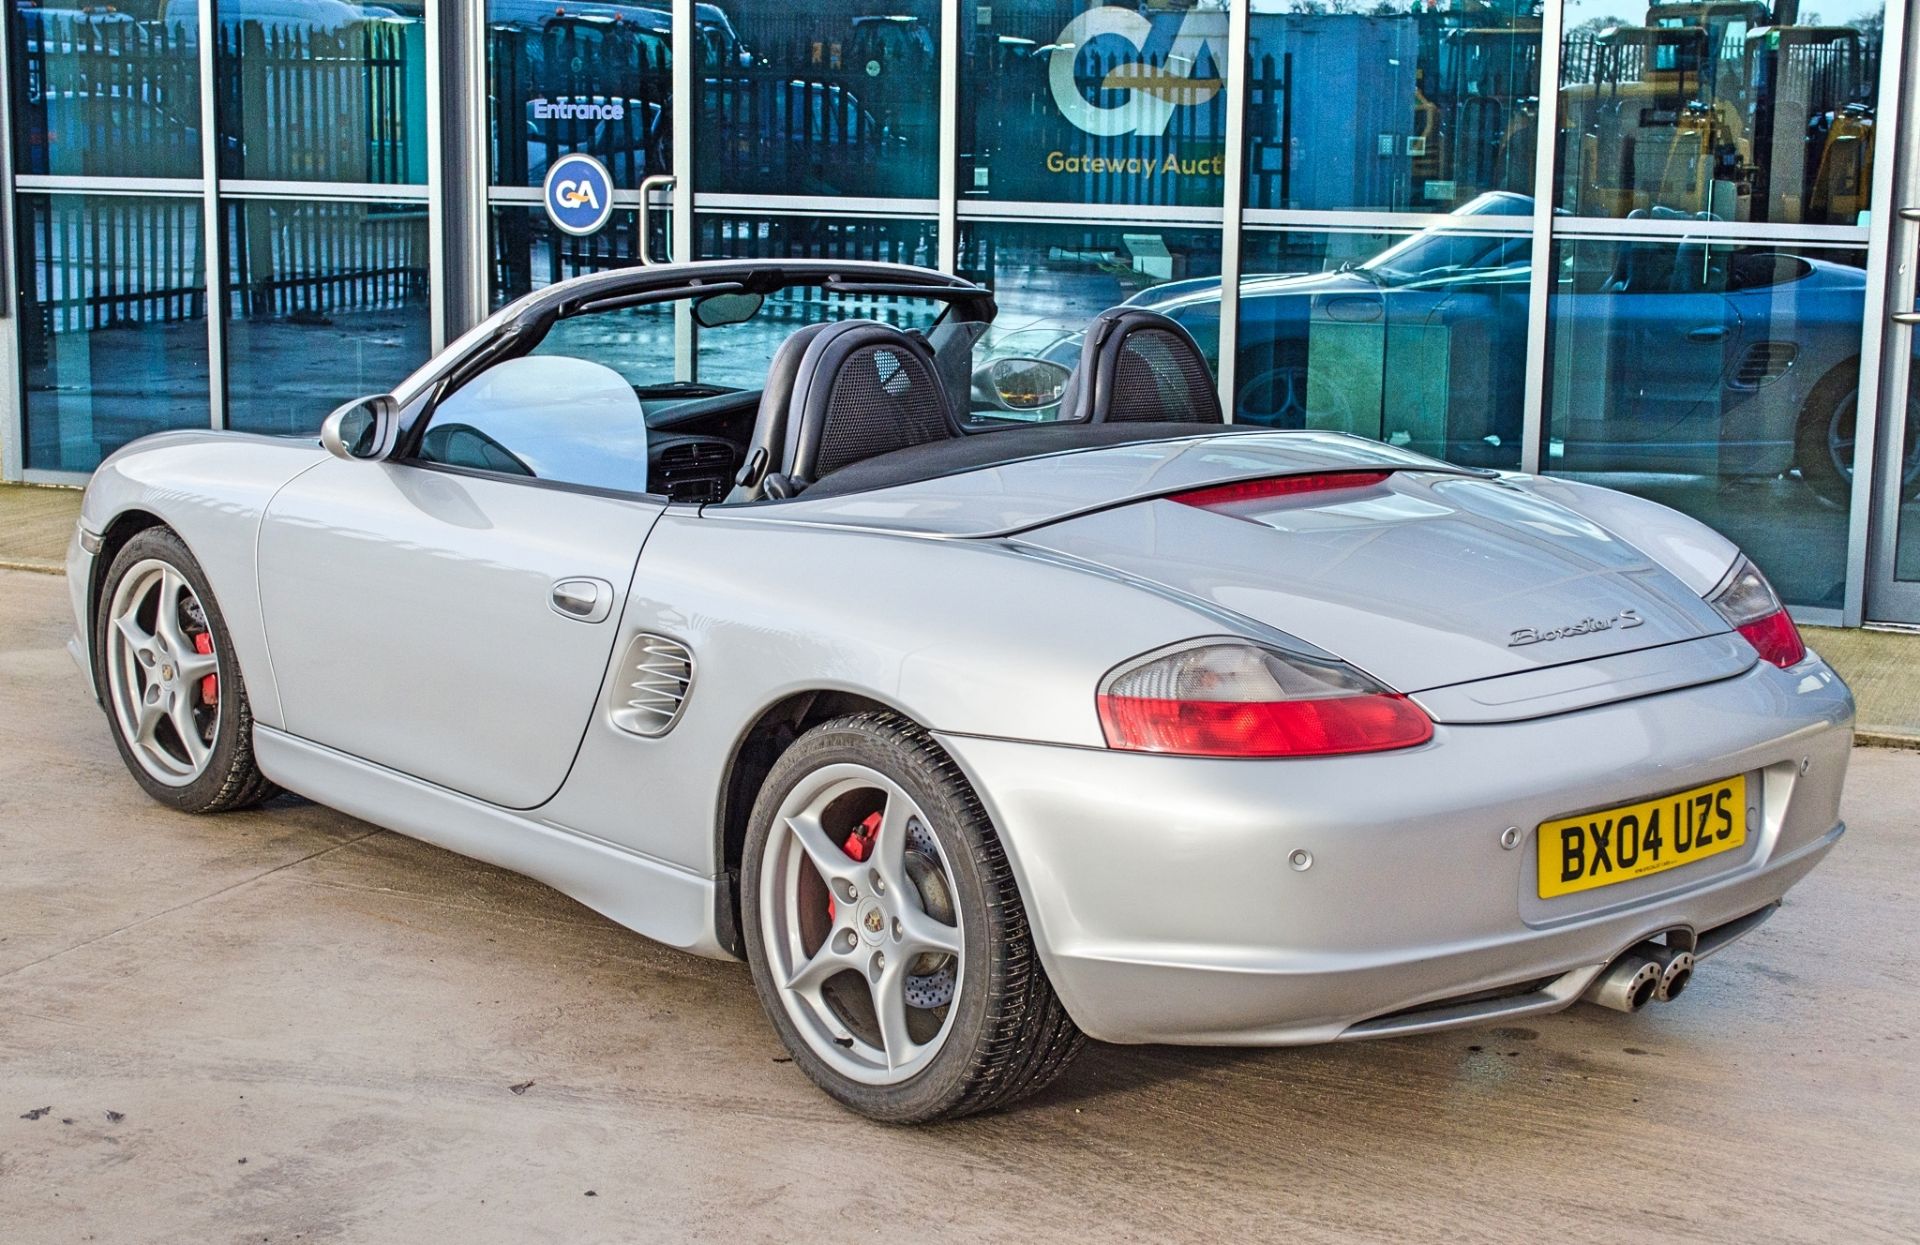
x=652 y=687
x=698 y=471
x=1764 y=363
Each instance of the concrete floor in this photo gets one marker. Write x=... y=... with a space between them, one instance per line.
x=288 y=1026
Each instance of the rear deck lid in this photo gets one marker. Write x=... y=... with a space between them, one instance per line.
x=1423 y=579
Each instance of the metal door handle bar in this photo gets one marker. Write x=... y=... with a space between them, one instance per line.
x=647 y=184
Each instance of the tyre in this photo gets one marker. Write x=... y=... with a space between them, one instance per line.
x=1824 y=438
x=888 y=941
x=165 y=667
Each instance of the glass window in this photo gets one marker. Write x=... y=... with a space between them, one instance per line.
x=1051 y=280
x=1404 y=109
x=731 y=354
x=803 y=103
x=565 y=78
x=530 y=254
x=1094 y=103
x=325 y=302
x=321 y=90
x=99 y=93
x=1716 y=107
x=548 y=416
x=113 y=332
x=1418 y=340
x=1720 y=380
x=811 y=235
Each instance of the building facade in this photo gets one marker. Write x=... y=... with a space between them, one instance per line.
x=1665 y=245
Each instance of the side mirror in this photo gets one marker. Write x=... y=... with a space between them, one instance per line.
x=364 y=428
x=1016 y=384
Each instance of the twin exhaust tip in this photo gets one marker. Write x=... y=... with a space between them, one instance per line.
x=1646 y=974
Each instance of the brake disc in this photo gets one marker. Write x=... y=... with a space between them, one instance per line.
x=931 y=976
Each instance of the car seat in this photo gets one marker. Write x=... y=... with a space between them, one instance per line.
x=838 y=394
x=1140 y=366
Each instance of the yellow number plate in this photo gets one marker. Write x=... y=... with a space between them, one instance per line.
x=1615 y=844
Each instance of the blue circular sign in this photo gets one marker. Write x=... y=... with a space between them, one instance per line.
x=578 y=194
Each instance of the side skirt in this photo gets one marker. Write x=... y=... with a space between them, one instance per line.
x=649 y=896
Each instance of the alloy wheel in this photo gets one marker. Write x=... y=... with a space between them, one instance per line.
x=863 y=937
x=162 y=672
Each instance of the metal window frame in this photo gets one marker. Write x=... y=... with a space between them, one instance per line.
x=1233 y=194
x=13 y=431
x=215 y=255
x=1546 y=130
x=1873 y=588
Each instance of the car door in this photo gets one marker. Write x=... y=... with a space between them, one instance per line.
x=451 y=615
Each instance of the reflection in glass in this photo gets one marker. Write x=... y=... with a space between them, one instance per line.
x=325 y=302
x=591 y=78
x=530 y=254
x=320 y=90
x=822 y=103
x=1050 y=280
x=1740 y=110
x=1094 y=103
x=97 y=93
x=745 y=235
x=1720 y=380
x=113 y=333
x=1414 y=108
x=1419 y=341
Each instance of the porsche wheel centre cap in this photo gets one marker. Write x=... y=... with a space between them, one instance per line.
x=872 y=922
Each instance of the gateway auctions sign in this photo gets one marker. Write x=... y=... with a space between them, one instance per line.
x=1117 y=106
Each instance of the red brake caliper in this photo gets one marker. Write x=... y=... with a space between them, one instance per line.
x=859 y=845
x=210 y=685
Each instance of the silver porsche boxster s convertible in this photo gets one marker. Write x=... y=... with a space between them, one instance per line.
x=742 y=602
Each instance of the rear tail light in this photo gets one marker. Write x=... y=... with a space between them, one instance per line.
x=1234 y=699
x=1748 y=601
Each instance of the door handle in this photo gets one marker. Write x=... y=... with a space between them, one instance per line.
x=1353 y=310
x=1906 y=317
x=1912 y=213
x=582 y=599
x=647 y=185
x=1707 y=333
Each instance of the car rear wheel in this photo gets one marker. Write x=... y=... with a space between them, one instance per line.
x=888 y=941
x=164 y=663
x=1824 y=440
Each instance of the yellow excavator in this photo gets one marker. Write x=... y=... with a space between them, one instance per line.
x=1476 y=101
x=1718 y=106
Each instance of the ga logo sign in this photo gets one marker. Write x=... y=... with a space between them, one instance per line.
x=578 y=194
x=1152 y=93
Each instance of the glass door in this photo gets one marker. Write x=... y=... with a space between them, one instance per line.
x=1893 y=582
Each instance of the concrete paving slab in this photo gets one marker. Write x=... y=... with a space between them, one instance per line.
x=285 y=1025
x=35 y=524
x=1883 y=669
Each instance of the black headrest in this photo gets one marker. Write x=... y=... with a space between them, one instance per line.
x=1138 y=365
x=765 y=452
x=851 y=390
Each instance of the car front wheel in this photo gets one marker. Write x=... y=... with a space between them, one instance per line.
x=164 y=664
x=888 y=940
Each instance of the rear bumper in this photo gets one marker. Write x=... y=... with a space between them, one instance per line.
x=1166 y=910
